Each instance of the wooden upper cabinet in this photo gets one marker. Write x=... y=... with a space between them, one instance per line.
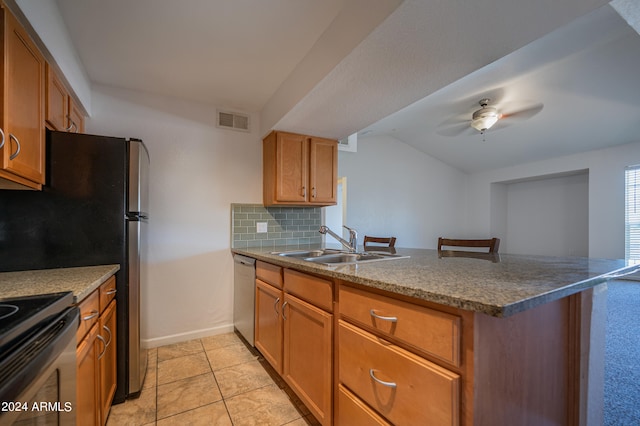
x=56 y=102
x=61 y=111
x=75 y=116
x=299 y=170
x=23 y=145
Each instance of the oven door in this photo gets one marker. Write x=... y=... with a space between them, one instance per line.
x=38 y=378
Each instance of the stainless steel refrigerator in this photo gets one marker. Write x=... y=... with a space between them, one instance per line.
x=93 y=209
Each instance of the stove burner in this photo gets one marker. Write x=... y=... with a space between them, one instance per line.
x=7 y=310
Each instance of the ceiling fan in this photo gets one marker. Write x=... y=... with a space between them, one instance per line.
x=488 y=117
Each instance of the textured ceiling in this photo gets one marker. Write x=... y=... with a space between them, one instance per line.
x=311 y=67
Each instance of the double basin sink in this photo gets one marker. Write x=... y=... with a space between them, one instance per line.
x=337 y=257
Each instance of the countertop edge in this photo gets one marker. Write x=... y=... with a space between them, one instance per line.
x=81 y=281
x=460 y=302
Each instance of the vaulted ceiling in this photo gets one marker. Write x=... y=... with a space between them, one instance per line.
x=410 y=69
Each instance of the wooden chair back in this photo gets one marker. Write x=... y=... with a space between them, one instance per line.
x=492 y=243
x=380 y=241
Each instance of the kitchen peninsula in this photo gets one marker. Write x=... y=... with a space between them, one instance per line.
x=499 y=340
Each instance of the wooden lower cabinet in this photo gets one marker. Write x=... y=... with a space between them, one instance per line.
x=87 y=373
x=294 y=333
x=355 y=412
x=96 y=356
x=401 y=386
x=108 y=360
x=308 y=348
x=268 y=327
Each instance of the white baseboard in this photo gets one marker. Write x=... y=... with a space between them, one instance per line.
x=183 y=337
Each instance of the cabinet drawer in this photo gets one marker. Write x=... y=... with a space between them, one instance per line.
x=107 y=292
x=89 y=313
x=434 y=332
x=352 y=411
x=403 y=387
x=269 y=273
x=312 y=289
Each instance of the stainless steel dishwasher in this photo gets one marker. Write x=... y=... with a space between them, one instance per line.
x=244 y=295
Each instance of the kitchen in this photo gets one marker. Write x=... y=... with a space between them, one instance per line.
x=189 y=234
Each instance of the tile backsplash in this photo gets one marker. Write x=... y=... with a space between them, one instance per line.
x=285 y=226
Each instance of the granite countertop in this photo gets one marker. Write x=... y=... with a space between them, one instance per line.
x=80 y=280
x=500 y=285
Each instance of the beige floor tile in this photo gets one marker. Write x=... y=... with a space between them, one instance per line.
x=227 y=356
x=264 y=406
x=151 y=378
x=220 y=340
x=182 y=367
x=135 y=412
x=152 y=357
x=210 y=415
x=179 y=349
x=187 y=394
x=242 y=378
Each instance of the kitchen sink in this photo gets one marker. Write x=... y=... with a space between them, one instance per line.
x=334 y=257
x=303 y=254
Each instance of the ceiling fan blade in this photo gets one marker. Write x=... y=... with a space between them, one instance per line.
x=523 y=113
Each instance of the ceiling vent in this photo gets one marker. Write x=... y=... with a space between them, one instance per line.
x=233 y=121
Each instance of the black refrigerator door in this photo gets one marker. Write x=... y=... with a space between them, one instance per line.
x=78 y=217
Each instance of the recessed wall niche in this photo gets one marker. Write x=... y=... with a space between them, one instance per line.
x=542 y=215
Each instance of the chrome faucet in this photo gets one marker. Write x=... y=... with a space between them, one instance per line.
x=351 y=245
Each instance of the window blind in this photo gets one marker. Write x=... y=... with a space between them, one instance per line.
x=632 y=212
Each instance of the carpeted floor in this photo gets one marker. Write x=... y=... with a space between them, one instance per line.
x=622 y=356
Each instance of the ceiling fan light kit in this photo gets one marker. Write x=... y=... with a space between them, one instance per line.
x=485 y=117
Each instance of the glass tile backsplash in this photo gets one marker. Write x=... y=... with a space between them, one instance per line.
x=285 y=226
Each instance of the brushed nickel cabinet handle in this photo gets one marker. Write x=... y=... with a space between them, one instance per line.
x=105 y=346
x=70 y=124
x=2 y=134
x=383 y=318
x=91 y=316
x=382 y=382
x=275 y=306
x=110 y=292
x=284 y=317
x=108 y=330
x=15 y=154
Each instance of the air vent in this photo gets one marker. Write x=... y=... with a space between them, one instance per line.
x=233 y=121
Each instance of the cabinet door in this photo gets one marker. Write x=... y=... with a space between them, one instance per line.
x=268 y=329
x=323 y=170
x=107 y=359
x=23 y=112
x=87 y=376
x=308 y=345
x=56 y=101
x=75 y=117
x=292 y=168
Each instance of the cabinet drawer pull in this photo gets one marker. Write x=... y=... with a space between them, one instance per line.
x=70 y=123
x=105 y=346
x=382 y=382
x=91 y=316
x=380 y=317
x=275 y=306
x=283 y=315
x=2 y=142
x=304 y=191
x=108 y=330
x=110 y=292
x=313 y=192
x=15 y=154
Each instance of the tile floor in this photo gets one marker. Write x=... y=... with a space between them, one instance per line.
x=215 y=380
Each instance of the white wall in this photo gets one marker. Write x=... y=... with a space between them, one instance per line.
x=606 y=194
x=547 y=216
x=396 y=190
x=197 y=171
